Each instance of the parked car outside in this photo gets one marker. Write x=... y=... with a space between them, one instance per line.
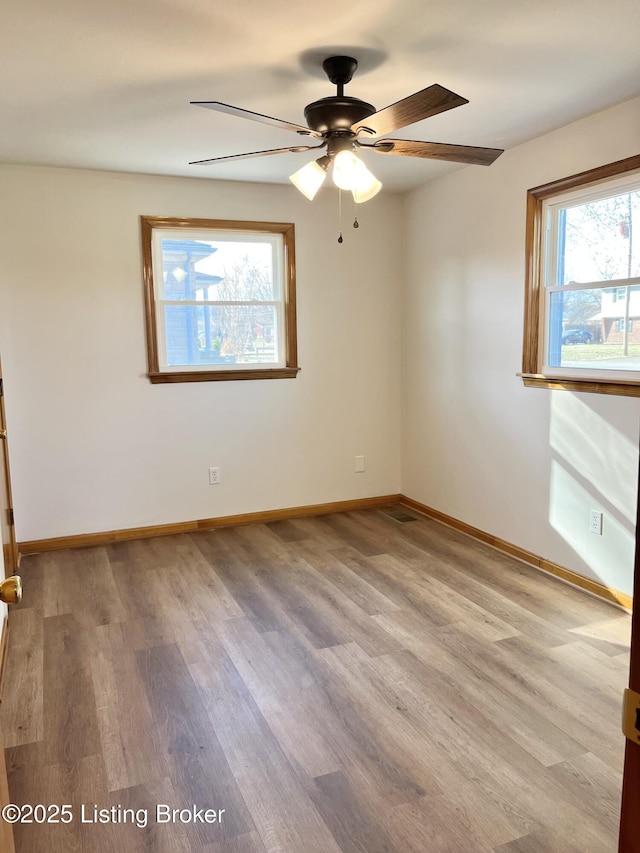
x=576 y=336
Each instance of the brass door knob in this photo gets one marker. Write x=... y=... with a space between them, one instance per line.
x=11 y=590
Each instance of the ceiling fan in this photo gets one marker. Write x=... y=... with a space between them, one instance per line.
x=340 y=123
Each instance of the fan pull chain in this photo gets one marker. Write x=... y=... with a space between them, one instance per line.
x=356 y=224
x=340 y=240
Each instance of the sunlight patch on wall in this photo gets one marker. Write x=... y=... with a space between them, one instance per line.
x=609 y=557
x=598 y=451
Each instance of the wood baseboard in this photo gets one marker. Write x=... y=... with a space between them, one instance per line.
x=594 y=587
x=86 y=540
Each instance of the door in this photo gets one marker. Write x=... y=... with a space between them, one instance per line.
x=9 y=563
x=630 y=813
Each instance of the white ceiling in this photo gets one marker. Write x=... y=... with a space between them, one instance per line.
x=106 y=84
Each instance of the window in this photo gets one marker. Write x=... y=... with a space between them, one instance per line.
x=220 y=299
x=583 y=282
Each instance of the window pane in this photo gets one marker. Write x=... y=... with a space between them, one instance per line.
x=586 y=330
x=219 y=270
x=229 y=334
x=596 y=240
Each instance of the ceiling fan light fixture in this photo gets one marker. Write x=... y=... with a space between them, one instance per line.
x=345 y=170
x=310 y=178
x=366 y=184
x=350 y=173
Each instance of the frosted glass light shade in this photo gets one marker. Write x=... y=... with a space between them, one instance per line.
x=345 y=168
x=366 y=185
x=309 y=179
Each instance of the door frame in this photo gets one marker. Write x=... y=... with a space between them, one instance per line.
x=10 y=548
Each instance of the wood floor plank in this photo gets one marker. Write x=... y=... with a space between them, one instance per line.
x=22 y=708
x=241 y=574
x=554 y=602
x=596 y=782
x=560 y=699
x=353 y=829
x=363 y=594
x=352 y=534
x=441 y=603
x=298 y=598
x=436 y=738
x=74 y=783
x=142 y=831
x=564 y=837
x=133 y=753
x=198 y=767
x=347 y=674
x=32 y=571
x=284 y=816
x=296 y=595
x=81 y=582
x=338 y=684
x=547 y=743
x=485 y=593
x=285 y=691
x=249 y=843
x=434 y=823
x=288 y=531
x=70 y=718
x=193 y=572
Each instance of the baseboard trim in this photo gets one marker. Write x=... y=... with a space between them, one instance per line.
x=4 y=645
x=86 y=540
x=594 y=587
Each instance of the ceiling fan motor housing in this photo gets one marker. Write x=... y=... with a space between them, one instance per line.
x=336 y=113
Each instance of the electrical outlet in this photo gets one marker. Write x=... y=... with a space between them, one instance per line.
x=595 y=522
x=214 y=476
x=359 y=468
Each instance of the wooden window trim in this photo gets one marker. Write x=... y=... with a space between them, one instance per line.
x=532 y=356
x=158 y=376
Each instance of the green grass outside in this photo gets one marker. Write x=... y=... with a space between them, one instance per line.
x=597 y=352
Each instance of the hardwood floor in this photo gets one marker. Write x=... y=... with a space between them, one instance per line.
x=340 y=683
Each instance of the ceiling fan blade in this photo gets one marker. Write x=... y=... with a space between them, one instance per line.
x=241 y=113
x=470 y=154
x=428 y=102
x=293 y=150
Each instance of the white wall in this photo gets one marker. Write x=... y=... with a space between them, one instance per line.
x=96 y=447
x=523 y=464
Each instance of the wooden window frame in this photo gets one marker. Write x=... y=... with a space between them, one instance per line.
x=286 y=229
x=532 y=353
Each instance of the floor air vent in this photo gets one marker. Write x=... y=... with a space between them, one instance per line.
x=399 y=515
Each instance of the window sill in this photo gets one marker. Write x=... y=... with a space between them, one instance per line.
x=223 y=375
x=592 y=386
